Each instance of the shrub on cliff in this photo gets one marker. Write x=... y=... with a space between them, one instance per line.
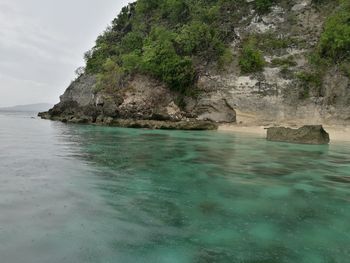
x=201 y=39
x=311 y=84
x=263 y=6
x=251 y=59
x=110 y=78
x=161 y=60
x=335 y=40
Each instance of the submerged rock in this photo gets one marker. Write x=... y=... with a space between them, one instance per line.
x=213 y=255
x=339 y=179
x=309 y=134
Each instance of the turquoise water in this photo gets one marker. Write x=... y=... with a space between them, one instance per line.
x=71 y=193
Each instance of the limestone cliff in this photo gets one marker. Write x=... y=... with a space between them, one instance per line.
x=276 y=93
x=286 y=35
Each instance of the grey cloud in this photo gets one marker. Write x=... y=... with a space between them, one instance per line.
x=43 y=41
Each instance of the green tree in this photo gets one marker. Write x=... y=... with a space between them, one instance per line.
x=335 y=40
x=161 y=60
x=164 y=38
x=263 y=6
x=251 y=59
x=110 y=78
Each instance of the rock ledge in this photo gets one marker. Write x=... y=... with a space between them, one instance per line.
x=190 y=124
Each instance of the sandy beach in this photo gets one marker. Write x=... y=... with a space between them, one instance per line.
x=337 y=133
x=251 y=124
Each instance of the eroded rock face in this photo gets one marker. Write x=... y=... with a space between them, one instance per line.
x=216 y=109
x=143 y=103
x=309 y=134
x=146 y=99
x=80 y=91
x=276 y=94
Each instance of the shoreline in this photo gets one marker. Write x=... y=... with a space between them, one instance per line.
x=337 y=133
x=186 y=125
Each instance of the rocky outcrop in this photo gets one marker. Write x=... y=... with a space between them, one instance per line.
x=193 y=125
x=146 y=99
x=80 y=91
x=142 y=103
x=310 y=134
x=214 y=108
x=290 y=31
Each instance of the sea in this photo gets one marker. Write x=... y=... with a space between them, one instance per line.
x=91 y=194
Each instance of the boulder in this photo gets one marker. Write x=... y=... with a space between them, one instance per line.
x=309 y=134
x=215 y=108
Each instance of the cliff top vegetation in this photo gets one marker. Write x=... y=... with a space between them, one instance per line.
x=171 y=40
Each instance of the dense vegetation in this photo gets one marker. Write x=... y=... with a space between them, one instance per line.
x=161 y=38
x=172 y=40
x=333 y=50
x=251 y=59
x=168 y=39
x=335 y=40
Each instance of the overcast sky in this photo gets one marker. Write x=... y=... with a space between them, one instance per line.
x=42 y=42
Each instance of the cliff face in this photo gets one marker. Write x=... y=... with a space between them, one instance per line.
x=143 y=99
x=277 y=93
x=283 y=90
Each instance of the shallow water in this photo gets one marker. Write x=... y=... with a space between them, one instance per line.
x=71 y=193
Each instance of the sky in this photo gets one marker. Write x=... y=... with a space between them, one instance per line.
x=42 y=42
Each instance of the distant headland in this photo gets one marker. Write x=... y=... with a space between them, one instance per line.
x=37 y=107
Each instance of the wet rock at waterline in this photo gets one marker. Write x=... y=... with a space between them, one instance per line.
x=309 y=134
